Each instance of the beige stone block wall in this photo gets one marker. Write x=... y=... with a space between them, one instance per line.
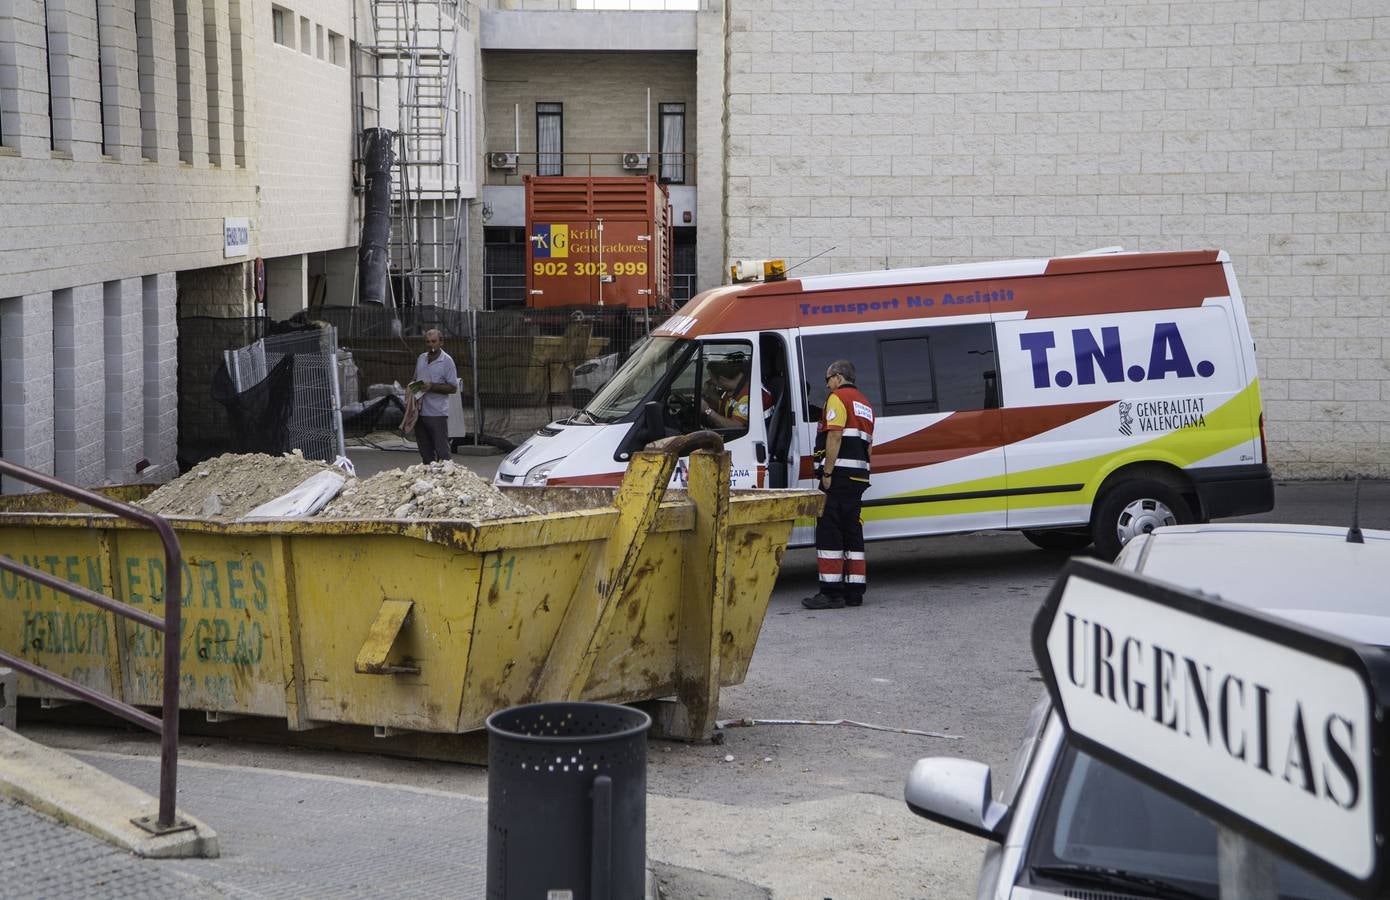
x=75 y=217
x=304 y=136
x=931 y=132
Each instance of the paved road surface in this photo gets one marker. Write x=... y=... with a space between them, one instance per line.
x=799 y=810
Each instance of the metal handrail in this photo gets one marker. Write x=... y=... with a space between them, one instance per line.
x=168 y=726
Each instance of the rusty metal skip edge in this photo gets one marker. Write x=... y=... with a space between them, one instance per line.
x=424 y=626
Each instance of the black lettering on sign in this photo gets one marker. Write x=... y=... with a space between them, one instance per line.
x=1298 y=763
x=1197 y=688
x=1225 y=714
x=1164 y=702
x=1074 y=663
x=1262 y=727
x=1104 y=684
x=1212 y=707
x=1132 y=687
x=1340 y=751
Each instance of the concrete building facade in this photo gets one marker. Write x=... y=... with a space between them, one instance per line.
x=138 y=136
x=150 y=150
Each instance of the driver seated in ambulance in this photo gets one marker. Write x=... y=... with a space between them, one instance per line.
x=724 y=401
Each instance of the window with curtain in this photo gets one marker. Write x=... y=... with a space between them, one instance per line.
x=550 y=139
x=673 y=143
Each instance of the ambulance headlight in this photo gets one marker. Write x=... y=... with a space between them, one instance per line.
x=537 y=476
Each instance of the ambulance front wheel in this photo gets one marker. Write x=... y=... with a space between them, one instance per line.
x=1136 y=507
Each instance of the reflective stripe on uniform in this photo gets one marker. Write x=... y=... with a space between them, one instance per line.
x=830 y=565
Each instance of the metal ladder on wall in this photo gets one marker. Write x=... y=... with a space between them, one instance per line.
x=415 y=49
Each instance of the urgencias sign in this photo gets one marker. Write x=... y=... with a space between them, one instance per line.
x=1266 y=726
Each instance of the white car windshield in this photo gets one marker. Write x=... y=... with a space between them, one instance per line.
x=635 y=379
x=1099 y=821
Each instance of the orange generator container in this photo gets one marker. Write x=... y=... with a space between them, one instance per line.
x=597 y=242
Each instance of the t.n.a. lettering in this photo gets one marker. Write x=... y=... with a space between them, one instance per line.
x=1099 y=357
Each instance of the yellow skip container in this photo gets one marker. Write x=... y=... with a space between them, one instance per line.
x=418 y=625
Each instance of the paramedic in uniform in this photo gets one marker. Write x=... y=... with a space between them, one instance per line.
x=724 y=403
x=843 y=441
x=437 y=377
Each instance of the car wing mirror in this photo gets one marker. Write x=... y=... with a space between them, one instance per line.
x=958 y=793
x=650 y=426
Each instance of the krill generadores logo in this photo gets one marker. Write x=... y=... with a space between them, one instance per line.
x=1126 y=420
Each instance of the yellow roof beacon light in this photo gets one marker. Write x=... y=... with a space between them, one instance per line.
x=746 y=270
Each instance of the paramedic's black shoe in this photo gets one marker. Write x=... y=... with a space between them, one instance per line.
x=821 y=601
x=854 y=601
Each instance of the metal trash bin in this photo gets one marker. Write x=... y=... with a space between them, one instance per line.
x=567 y=802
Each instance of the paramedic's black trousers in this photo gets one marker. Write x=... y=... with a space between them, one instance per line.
x=840 y=541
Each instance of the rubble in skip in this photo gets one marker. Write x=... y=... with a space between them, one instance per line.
x=439 y=490
x=228 y=487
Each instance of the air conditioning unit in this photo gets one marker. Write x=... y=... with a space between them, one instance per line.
x=636 y=162
x=501 y=159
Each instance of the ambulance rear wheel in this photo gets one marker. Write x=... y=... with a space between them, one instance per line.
x=1056 y=540
x=1136 y=507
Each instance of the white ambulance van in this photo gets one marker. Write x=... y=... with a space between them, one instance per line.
x=1078 y=399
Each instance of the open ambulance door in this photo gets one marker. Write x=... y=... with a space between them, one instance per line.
x=779 y=453
x=698 y=383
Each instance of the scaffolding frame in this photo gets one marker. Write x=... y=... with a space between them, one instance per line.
x=413 y=50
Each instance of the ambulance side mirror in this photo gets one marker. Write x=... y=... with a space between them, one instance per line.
x=650 y=426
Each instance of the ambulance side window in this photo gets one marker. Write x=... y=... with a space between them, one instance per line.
x=906 y=365
x=819 y=351
x=909 y=371
x=949 y=368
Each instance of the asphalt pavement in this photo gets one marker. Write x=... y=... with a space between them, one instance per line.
x=937 y=661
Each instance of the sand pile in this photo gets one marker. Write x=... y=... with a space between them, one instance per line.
x=440 y=490
x=231 y=485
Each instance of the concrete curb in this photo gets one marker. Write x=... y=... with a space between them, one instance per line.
x=86 y=798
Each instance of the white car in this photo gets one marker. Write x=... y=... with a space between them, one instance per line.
x=591 y=375
x=1069 y=825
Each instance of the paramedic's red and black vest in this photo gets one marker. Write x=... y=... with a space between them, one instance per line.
x=848 y=410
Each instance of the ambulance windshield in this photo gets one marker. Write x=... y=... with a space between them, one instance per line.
x=636 y=378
